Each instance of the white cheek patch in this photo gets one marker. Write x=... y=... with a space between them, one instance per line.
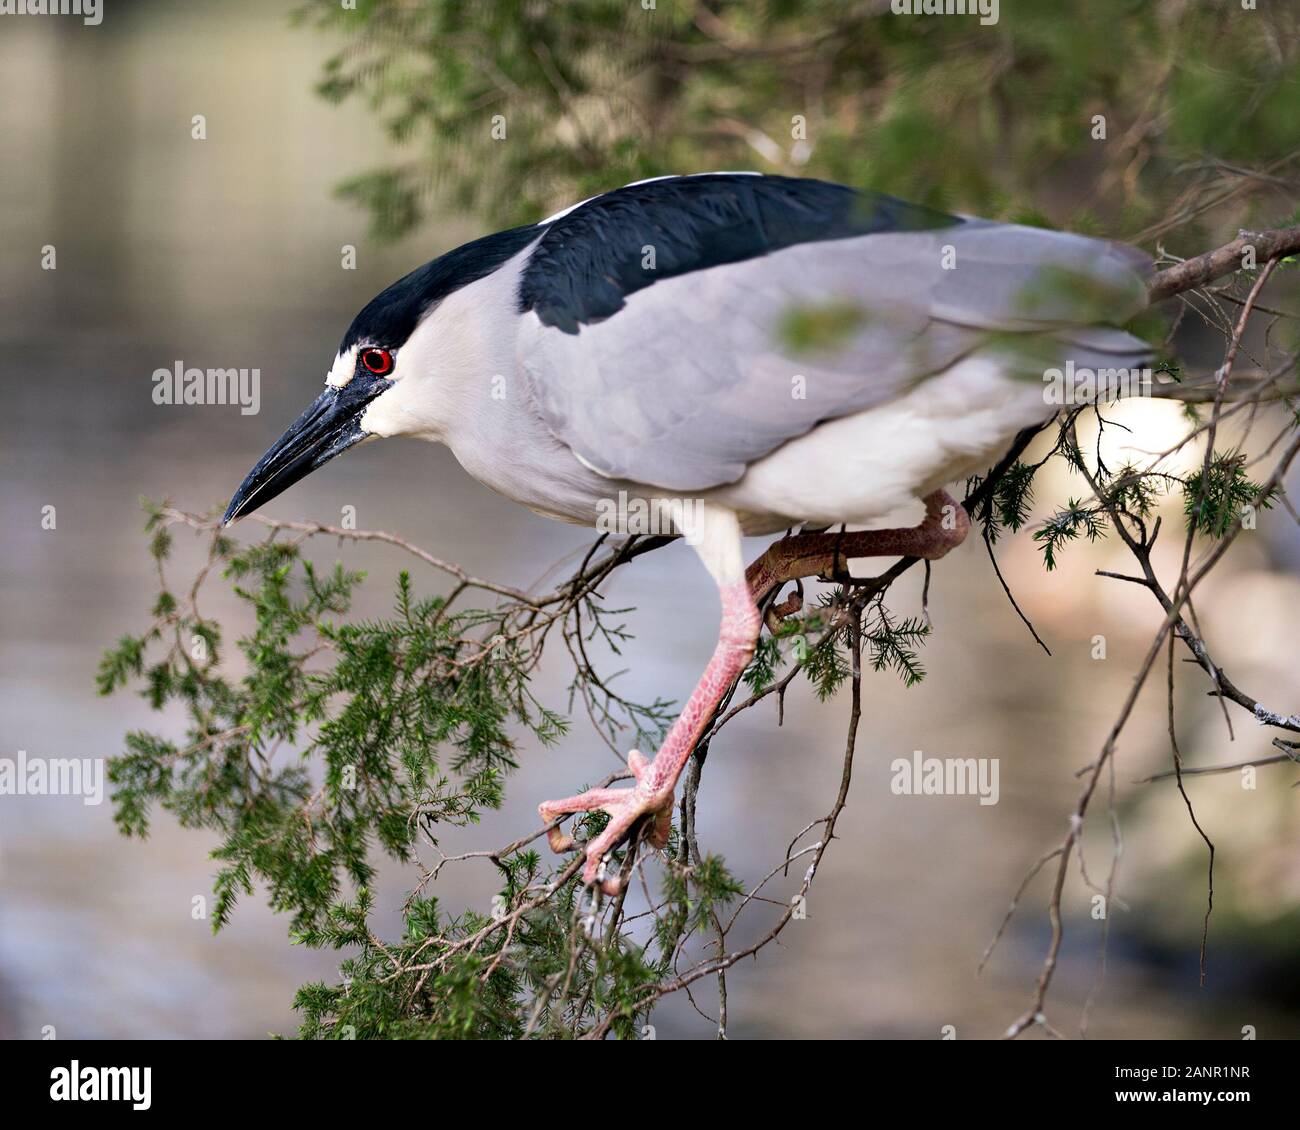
x=343 y=369
x=384 y=416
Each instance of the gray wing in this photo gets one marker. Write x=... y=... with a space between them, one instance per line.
x=699 y=375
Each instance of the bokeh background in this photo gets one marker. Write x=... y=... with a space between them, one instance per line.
x=226 y=252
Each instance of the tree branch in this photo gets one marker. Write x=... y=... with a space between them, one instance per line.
x=1278 y=243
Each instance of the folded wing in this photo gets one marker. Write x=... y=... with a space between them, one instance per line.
x=761 y=313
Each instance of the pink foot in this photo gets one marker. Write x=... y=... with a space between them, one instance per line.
x=804 y=555
x=652 y=795
x=626 y=808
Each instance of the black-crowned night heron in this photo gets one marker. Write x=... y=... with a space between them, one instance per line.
x=738 y=353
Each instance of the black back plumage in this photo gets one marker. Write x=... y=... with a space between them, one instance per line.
x=590 y=259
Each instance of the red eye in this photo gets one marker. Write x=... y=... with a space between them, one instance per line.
x=377 y=361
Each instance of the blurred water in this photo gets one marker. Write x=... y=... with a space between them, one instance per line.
x=226 y=253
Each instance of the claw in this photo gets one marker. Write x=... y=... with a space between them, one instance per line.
x=559 y=841
x=611 y=885
x=662 y=829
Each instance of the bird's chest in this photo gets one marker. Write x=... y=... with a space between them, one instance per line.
x=509 y=449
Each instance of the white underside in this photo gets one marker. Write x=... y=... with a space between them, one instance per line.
x=860 y=468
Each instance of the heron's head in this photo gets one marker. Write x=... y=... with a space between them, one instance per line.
x=387 y=377
x=363 y=374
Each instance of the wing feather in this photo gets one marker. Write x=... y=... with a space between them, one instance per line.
x=694 y=376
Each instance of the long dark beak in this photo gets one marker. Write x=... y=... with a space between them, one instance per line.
x=328 y=428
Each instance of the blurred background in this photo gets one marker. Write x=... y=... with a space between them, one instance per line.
x=227 y=252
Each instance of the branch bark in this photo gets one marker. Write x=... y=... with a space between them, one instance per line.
x=1191 y=273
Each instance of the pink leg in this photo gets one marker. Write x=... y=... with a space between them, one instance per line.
x=656 y=780
x=805 y=555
